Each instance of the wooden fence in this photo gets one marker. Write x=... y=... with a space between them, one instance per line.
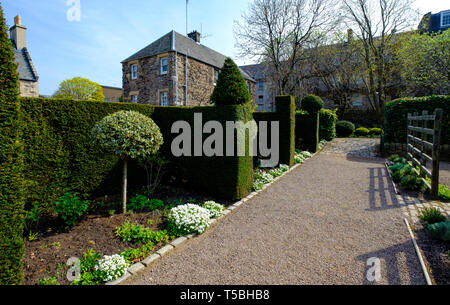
x=424 y=144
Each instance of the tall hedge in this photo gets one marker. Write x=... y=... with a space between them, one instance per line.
x=361 y=117
x=397 y=112
x=307 y=131
x=11 y=166
x=285 y=114
x=327 y=124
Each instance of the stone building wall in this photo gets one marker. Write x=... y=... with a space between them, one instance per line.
x=28 y=88
x=151 y=83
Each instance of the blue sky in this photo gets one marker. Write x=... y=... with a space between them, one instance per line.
x=112 y=30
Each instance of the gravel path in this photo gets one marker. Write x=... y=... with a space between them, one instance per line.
x=317 y=225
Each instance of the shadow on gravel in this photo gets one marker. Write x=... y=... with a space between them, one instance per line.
x=381 y=193
x=393 y=259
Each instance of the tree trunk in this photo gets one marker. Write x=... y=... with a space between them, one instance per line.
x=124 y=187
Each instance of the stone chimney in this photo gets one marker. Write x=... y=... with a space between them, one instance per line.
x=195 y=36
x=349 y=35
x=18 y=34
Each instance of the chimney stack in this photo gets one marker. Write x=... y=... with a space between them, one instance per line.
x=195 y=36
x=18 y=34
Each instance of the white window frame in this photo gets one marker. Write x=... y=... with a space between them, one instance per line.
x=134 y=71
x=215 y=76
x=134 y=99
x=446 y=13
x=161 y=65
x=166 y=95
x=261 y=85
x=260 y=98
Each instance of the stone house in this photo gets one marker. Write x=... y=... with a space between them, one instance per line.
x=28 y=77
x=264 y=92
x=175 y=70
x=112 y=94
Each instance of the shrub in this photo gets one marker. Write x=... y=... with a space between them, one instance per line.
x=440 y=230
x=344 y=129
x=129 y=135
x=11 y=165
x=444 y=192
x=112 y=267
x=264 y=177
x=284 y=168
x=375 y=131
x=327 y=125
x=431 y=215
x=412 y=182
x=312 y=103
x=397 y=111
x=231 y=88
x=306 y=154
x=257 y=186
x=307 y=130
x=89 y=275
x=138 y=234
x=141 y=202
x=276 y=172
x=187 y=219
x=215 y=209
x=362 y=132
x=393 y=157
x=70 y=208
x=48 y=281
x=132 y=256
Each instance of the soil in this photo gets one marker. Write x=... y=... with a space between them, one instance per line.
x=437 y=256
x=47 y=256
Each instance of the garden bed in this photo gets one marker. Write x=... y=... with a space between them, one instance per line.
x=46 y=256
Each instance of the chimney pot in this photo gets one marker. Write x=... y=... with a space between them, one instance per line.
x=17 y=20
x=195 y=36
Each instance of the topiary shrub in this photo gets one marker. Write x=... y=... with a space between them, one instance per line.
x=231 y=88
x=11 y=166
x=440 y=230
x=375 y=131
x=129 y=135
x=327 y=124
x=362 y=132
x=312 y=103
x=344 y=129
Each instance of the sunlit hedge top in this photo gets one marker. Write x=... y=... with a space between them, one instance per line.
x=128 y=134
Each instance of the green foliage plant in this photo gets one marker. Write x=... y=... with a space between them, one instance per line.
x=70 y=208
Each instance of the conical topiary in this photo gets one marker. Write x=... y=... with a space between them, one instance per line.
x=231 y=88
x=11 y=195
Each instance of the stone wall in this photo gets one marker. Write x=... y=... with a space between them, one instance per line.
x=151 y=83
x=28 y=88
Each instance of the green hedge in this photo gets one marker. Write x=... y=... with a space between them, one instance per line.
x=307 y=131
x=327 y=124
x=59 y=156
x=285 y=114
x=397 y=111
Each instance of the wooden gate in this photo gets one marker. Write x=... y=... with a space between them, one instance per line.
x=424 y=145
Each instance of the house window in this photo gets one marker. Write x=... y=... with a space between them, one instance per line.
x=216 y=76
x=107 y=99
x=261 y=100
x=134 y=99
x=164 y=66
x=357 y=101
x=445 y=19
x=260 y=85
x=164 y=99
x=134 y=71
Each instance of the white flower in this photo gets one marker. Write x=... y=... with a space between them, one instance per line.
x=215 y=209
x=114 y=267
x=189 y=218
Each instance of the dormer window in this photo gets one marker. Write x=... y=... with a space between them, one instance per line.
x=134 y=71
x=164 y=66
x=445 y=19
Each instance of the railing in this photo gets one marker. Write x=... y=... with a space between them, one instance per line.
x=424 y=145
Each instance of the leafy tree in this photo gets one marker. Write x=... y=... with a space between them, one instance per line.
x=11 y=196
x=425 y=62
x=129 y=135
x=231 y=88
x=79 y=88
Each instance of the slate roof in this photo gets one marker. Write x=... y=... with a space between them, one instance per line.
x=174 y=41
x=26 y=69
x=257 y=71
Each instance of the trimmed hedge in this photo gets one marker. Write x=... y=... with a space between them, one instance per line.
x=327 y=124
x=11 y=166
x=307 y=131
x=285 y=114
x=344 y=129
x=361 y=117
x=312 y=103
x=397 y=112
x=60 y=157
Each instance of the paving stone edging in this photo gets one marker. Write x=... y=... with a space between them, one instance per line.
x=136 y=268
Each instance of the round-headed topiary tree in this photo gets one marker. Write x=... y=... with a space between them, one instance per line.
x=312 y=103
x=231 y=88
x=344 y=129
x=129 y=135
